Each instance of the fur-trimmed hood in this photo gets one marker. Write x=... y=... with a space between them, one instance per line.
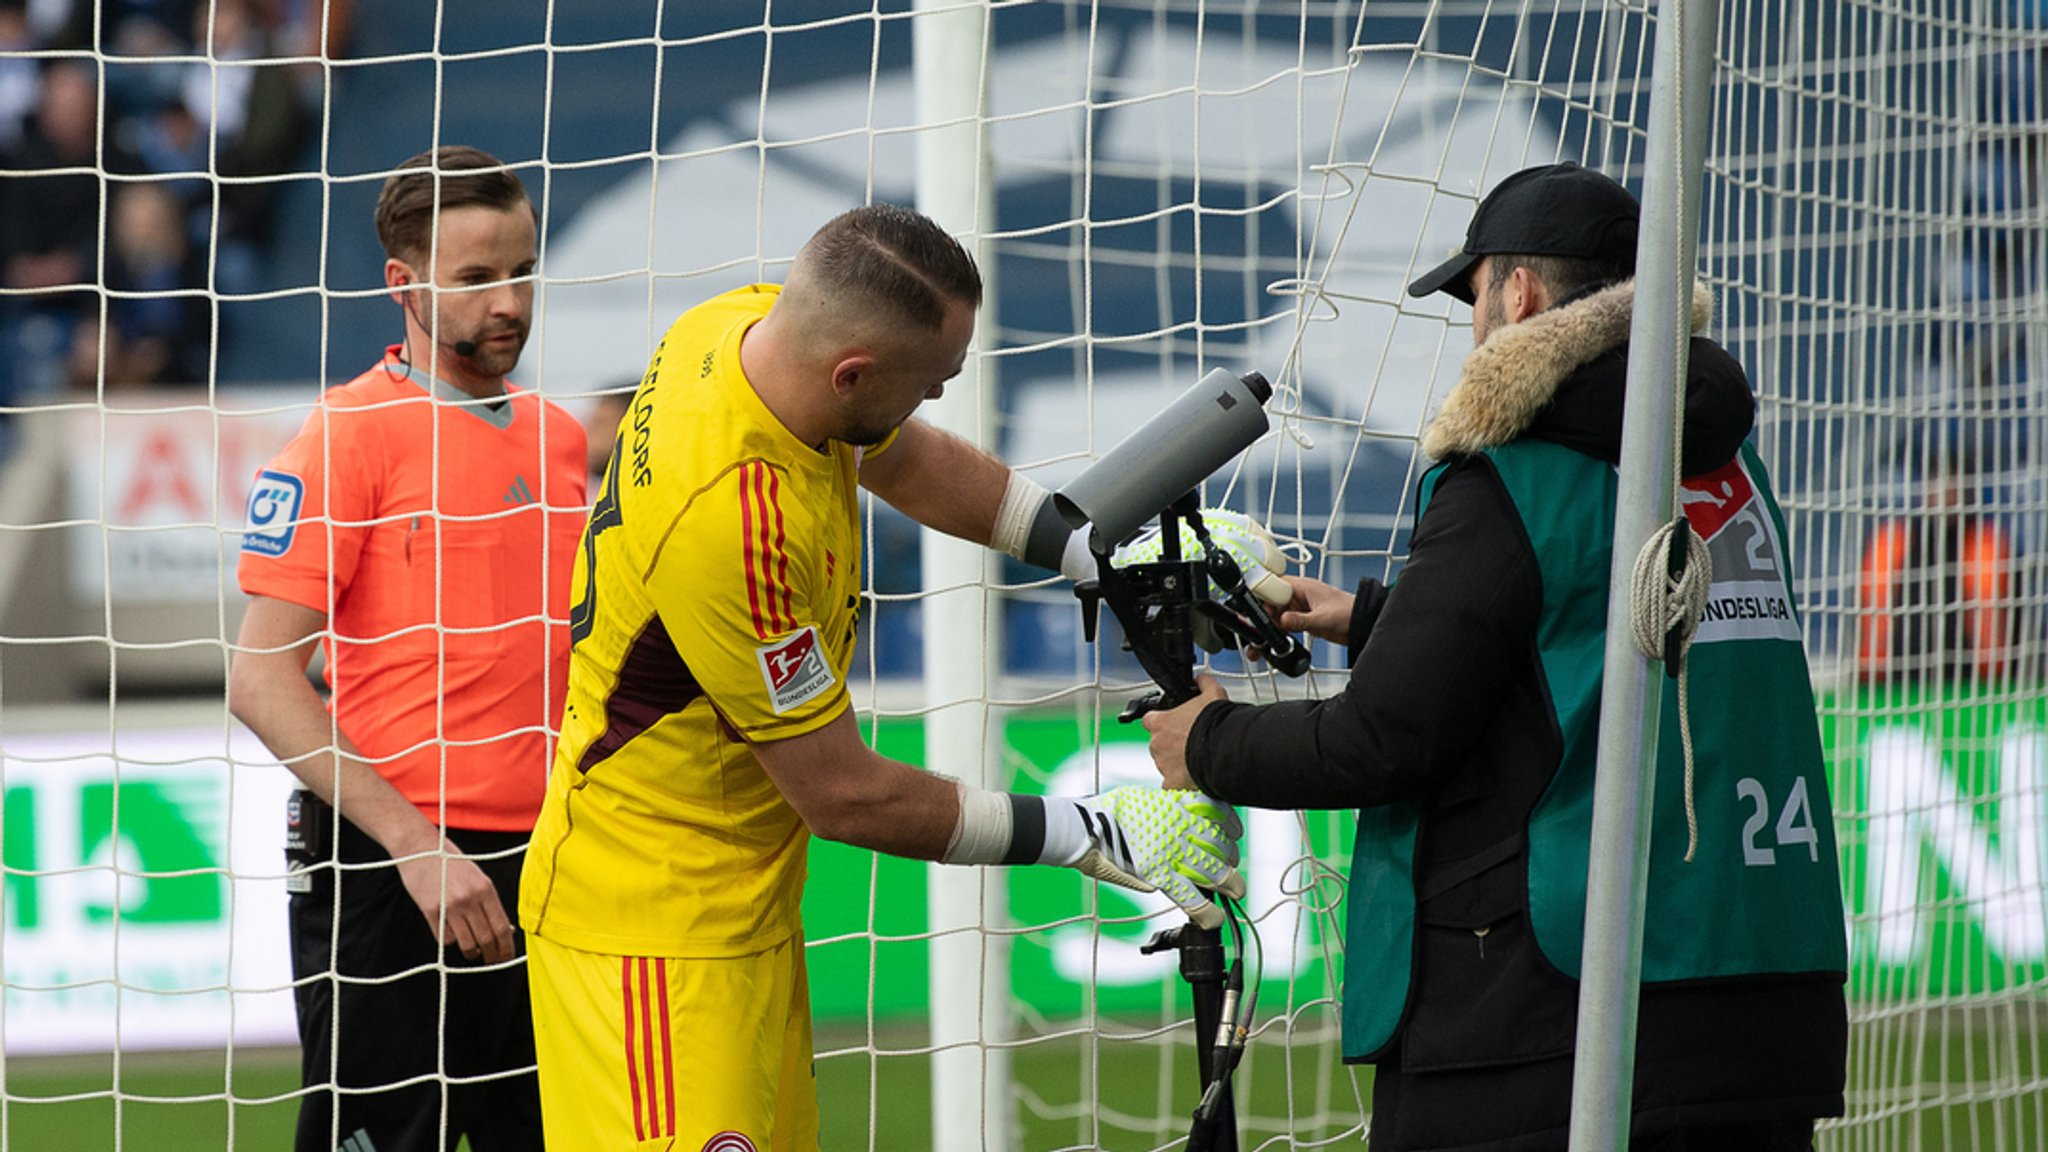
x=1560 y=375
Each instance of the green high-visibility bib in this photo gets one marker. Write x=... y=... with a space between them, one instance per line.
x=1763 y=892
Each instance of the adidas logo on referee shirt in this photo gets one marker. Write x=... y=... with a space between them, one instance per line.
x=519 y=493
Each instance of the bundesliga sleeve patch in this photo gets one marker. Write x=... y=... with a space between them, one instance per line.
x=274 y=505
x=795 y=671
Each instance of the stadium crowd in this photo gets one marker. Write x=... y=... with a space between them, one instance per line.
x=126 y=176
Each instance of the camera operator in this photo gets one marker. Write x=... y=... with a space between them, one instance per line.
x=1466 y=738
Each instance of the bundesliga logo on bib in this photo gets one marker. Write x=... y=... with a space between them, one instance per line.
x=795 y=670
x=1748 y=599
x=1712 y=500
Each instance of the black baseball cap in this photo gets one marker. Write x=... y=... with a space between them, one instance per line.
x=1555 y=210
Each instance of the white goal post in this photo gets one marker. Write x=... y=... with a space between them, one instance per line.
x=1154 y=188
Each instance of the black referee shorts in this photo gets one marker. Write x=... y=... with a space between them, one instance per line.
x=405 y=1046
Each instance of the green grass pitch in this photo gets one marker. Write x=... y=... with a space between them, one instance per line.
x=179 y=1102
x=1973 y=1070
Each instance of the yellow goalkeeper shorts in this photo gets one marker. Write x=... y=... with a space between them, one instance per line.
x=680 y=1055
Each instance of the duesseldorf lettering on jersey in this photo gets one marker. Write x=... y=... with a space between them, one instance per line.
x=643 y=421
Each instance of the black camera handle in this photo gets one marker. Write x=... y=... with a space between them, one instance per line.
x=1157 y=603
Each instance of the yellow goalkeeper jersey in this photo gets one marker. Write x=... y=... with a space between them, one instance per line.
x=714 y=605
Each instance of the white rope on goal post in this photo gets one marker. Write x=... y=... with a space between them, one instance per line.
x=1625 y=781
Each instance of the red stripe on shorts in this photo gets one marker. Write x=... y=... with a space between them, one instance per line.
x=668 y=1064
x=647 y=1046
x=632 y=1074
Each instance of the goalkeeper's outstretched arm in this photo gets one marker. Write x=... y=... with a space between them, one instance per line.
x=943 y=482
x=1178 y=843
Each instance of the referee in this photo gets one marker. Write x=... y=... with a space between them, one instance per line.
x=422 y=527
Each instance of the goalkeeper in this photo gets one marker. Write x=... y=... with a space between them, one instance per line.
x=708 y=732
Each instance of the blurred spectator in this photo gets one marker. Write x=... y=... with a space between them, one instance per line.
x=169 y=141
x=19 y=81
x=145 y=27
x=86 y=353
x=51 y=225
x=165 y=334
x=1937 y=592
x=250 y=105
x=63 y=24
x=309 y=26
x=139 y=41
x=49 y=229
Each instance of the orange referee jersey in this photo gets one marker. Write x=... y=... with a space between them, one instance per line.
x=438 y=534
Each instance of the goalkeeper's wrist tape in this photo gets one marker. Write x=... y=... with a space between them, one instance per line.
x=1009 y=828
x=1030 y=528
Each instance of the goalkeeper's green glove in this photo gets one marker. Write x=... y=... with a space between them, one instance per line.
x=1150 y=839
x=1146 y=839
x=1258 y=556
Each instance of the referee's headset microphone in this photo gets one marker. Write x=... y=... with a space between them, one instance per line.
x=462 y=348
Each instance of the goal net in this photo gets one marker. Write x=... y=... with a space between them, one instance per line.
x=1156 y=188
